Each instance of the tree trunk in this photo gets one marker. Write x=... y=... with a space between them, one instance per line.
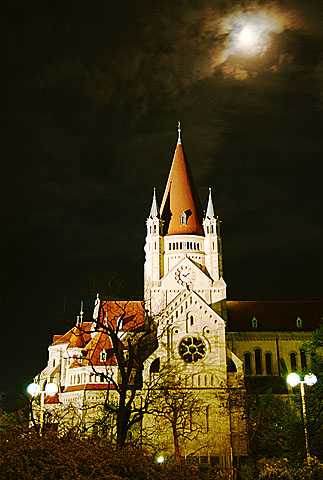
x=177 y=451
x=123 y=417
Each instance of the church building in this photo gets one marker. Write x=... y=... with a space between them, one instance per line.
x=219 y=348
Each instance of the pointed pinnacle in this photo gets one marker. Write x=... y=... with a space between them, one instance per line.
x=154 y=207
x=210 y=209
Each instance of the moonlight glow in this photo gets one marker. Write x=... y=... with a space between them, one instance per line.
x=248 y=38
x=250 y=33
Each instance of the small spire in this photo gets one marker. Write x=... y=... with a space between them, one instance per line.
x=81 y=312
x=179 y=141
x=96 y=307
x=154 y=207
x=210 y=209
x=77 y=320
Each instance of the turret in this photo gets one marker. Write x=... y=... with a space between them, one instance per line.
x=154 y=246
x=212 y=244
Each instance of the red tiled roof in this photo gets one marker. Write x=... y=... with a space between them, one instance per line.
x=89 y=386
x=56 y=337
x=78 y=336
x=50 y=399
x=179 y=197
x=99 y=342
x=132 y=313
x=274 y=315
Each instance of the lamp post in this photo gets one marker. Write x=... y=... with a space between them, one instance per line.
x=293 y=379
x=34 y=390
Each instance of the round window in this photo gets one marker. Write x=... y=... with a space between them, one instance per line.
x=192 y=349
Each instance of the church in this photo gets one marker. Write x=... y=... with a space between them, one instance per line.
x=220 y=348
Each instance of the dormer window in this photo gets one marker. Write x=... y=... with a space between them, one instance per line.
x=254 y=322
x=103 y=356
x=184 y=217
x=299 y=322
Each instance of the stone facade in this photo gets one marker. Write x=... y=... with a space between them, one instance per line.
x=216 y=346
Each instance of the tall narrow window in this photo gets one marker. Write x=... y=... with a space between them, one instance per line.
x=303 y=360
x=299 y=322
x=269 y=369
x=254 y=322
x=155 y=366
x=207 y=417
x=191 y=320
x=293 y=362
x=247 y=363
x=258 y=361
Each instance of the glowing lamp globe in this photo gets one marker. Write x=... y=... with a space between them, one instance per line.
x=33 y=389
x=293 y=379
x=160 y=459
x=310 y=379
x=51 y=389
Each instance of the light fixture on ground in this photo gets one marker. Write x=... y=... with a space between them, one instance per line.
x=160 y=459
x=293 y=379
x=34 y=390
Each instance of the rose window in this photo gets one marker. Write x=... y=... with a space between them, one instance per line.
x=192 y=349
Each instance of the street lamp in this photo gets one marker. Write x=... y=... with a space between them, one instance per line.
x=293 y=379
x=160 y=459
x=34 y=390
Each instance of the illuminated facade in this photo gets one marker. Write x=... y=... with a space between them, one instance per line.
x=219 y=347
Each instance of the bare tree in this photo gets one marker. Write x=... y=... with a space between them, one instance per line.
x=132 y=340
x=173 y=403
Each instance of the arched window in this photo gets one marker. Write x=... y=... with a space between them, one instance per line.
x=254 y=322
x=191 y=320
x=207 y=408
x=293 y=362
x=299 y=322
x=247 y=363
x=268 y=361
x=303 y=359
x=258 y=362
x=155 y=366
x=231 y=366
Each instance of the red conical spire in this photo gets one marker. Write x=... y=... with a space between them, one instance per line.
x=179 y=206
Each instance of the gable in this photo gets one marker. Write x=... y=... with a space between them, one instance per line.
x=186 y=273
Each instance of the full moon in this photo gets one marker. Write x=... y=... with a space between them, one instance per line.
x=247 y=37
x=250 y=33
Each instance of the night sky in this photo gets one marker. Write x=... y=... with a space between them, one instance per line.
x=95 y=90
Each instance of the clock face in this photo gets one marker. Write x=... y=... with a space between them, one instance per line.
x=183 y=276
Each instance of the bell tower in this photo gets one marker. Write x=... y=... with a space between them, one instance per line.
x=182 y=249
